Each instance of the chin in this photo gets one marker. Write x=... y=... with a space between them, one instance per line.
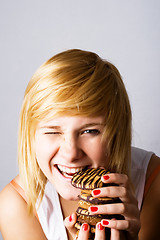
x=69 y=194
x=63 y=185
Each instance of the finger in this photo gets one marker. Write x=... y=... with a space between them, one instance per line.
x=111 y=191
x=125 y=209
x=115 y=191
x=120 y=179
x=69 y=223
x=84 y=232
x=127 y=225
x=132 y=226
x=116 y=224
x=115 y=234
x=100 y=232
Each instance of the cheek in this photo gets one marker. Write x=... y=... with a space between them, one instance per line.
x=43 y=151
x=99 y=155
x=43 y=146
x=44 y=157
x=97 y=152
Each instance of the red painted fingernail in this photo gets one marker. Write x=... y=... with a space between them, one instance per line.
x=85 y=227
x=105 y=222
x=70 y=218
x=96 y=192
x=106 y=177
x=94 y=209
x=100 y=227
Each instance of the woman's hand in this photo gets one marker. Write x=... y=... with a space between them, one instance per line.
x=128 y=208
x=84 y=231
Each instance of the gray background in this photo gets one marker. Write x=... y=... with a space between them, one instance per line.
x=124 y=32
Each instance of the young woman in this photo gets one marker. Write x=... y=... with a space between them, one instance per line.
x=76 y=114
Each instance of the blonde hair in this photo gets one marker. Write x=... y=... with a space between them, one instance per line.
x=74 y=82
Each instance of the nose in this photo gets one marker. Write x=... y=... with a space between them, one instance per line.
x=70 y=148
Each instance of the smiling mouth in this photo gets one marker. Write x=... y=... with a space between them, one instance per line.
x=68 y=172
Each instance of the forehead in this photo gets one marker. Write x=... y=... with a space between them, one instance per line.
x=70 y=121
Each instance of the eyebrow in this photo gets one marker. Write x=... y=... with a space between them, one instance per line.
x=83 y=126
x=92 y=125
x=51 y=127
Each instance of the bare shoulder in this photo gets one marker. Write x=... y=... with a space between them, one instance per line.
x=150 y=213
x=154 y=162
x=15 y=223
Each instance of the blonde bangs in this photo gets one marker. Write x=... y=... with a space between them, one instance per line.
x=67 y=91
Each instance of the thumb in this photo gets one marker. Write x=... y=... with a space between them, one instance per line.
x=115 y=234
x=69 y=223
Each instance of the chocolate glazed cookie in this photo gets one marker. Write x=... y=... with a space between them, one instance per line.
x=87 y=180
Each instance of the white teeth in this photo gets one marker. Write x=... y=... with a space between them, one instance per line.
x=66 y=175
x=72 y=170
x=69 y=170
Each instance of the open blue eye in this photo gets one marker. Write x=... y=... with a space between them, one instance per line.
x=91 y=131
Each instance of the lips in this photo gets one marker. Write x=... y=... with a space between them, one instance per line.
x=68 y=171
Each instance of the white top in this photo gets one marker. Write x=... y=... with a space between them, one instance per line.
x=50 y=213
